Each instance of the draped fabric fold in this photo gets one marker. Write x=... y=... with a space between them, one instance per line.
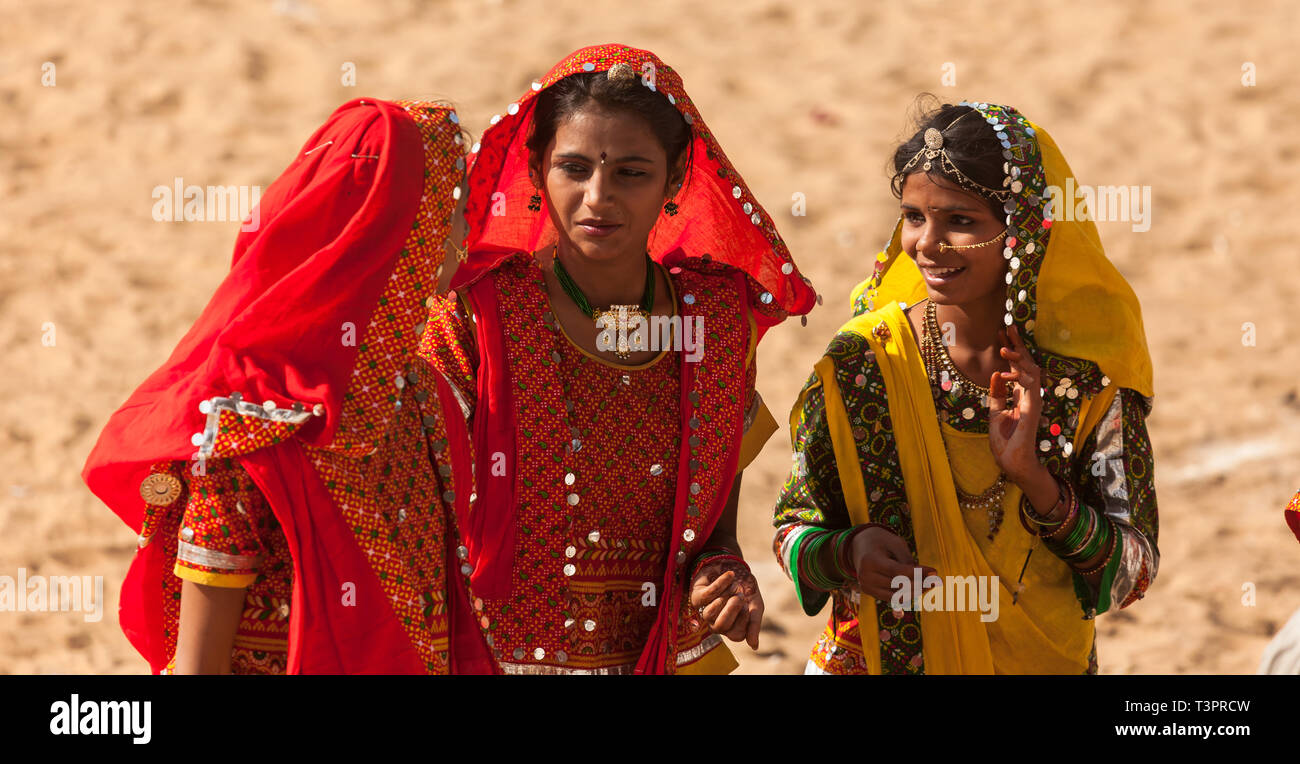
x=302 y=370
x=1043 y=632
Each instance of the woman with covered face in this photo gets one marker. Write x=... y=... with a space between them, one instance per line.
x=973 y=479
x=289 y=470
x=602 y=342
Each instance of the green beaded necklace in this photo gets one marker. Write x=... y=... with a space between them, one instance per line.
x=615 y=315
x=571 y=288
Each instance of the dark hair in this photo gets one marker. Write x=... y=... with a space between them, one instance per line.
x=576 y=92
x=969 y=143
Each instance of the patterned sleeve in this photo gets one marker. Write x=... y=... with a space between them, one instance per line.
x=811 y=501
x=448 y=344
x=1119 y=481
x=224 y=529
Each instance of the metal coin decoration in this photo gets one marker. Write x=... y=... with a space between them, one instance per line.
x=160 y=489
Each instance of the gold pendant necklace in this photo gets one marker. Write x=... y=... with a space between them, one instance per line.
x=938 y=362
x=945 y=376
x=990 y=501
x=620 y=320
x=615 y=318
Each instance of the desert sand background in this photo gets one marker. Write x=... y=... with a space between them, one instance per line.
x=805 y=97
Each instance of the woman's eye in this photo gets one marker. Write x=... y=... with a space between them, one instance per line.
x=573 y=169
x=961 y=220
x=914 y=217
x=633 y=173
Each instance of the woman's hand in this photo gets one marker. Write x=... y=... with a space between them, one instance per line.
x=879 y=556
x=725 y=594
x=1013 y=431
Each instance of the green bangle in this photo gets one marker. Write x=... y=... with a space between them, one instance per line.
x=1097 y=543
x=1090 y=543
x=1082 y=527
x=1078 y=535
x=1116 y=540
x=835 y=578
x=840 y=538
x=811 y=570
x=1098 y=538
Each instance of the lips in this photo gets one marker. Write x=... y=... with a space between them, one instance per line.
x=598 y=227
x=939 y=276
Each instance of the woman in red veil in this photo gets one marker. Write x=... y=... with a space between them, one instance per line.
x=602 y=338
x=289 y=469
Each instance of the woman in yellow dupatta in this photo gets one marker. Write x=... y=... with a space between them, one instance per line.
x=906 y=466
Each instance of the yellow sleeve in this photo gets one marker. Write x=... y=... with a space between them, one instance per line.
x=718 y=660
x=759 y=422
x=207 y=578
x=760 y=430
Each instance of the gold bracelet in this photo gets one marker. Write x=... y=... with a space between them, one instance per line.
x=1063 y=492
x=1029 y=515
x=1071 y=504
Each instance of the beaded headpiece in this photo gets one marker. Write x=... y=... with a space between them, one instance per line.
x=719 y=221
x=1068 y=380
x=934 y=150
x=1024 y=199
x=620 y=73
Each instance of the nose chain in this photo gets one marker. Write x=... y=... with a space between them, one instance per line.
x=944 y=246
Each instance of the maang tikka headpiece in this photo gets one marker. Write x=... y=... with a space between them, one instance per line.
x=620 y=73
x=934 y=149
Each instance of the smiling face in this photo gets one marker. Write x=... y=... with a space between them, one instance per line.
x=935 y=212
x=606 y=178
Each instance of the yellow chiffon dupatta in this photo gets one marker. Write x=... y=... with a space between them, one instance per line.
x=1044 y=632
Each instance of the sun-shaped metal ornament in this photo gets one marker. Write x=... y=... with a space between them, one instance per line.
x=933 y=145
x=160 y=489
x=933 y=139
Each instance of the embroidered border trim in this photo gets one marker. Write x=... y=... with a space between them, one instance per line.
x=687 y=656
x=526 y=668
x=295 y=414
x=193 y=554
x=697 y=652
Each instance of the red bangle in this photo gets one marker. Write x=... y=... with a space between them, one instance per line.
x=705 y=558
x=842 y=560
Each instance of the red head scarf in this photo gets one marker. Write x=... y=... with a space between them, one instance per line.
x=718 y=221
x=306 y=331
x=718 y=218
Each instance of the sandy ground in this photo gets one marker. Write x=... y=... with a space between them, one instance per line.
x=807 y=97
